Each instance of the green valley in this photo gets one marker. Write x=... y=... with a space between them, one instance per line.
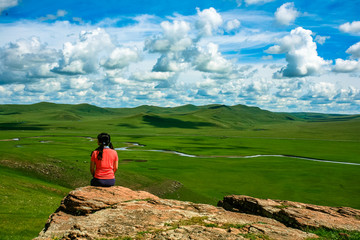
x=45 y=152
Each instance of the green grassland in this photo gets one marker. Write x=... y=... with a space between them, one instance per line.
x=45 y=152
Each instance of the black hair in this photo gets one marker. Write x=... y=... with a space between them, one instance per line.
x=104 y=140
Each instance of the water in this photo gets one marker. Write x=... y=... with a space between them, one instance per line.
x=251 y=156
x=195 y=156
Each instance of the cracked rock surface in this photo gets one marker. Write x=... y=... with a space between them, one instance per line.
x=118 y=212
x=295 y=214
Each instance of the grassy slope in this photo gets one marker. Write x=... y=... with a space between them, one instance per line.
x=25 y=203
x=54 y=147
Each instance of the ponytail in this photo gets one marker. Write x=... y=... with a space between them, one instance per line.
x=104 y=140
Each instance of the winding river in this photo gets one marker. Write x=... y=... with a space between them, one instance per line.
x=251 y=156
x=134 y=144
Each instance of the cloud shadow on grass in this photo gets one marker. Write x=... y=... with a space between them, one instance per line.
x=162 y=122
x=21 y=126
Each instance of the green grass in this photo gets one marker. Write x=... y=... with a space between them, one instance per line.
x=266 y=177
x=325 y=234
x=52 y=155
x=25 y=203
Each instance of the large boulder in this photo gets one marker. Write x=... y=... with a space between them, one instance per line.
x=295 y=214
x=118 y=212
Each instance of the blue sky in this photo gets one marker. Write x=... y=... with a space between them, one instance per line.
x=277 y=55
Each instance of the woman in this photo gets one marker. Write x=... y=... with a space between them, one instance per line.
x=104 y=162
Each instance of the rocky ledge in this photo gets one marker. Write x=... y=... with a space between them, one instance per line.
x=120 y=213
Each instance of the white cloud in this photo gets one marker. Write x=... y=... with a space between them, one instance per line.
x=5 y=4
x=157 y=95
x=321 y=39
x=60 y=13
x=83 y=56
x=286 y=13
x=209 y=20
x=232 y=25
x=44 y=86
x=347 y=95
x=346 y=65
x=210 y=60
x=26 y=60
x=120 y=58
x=290 y=88
x=174 y=38
x=354 y=50
x=174 y=45
x=184 y=62
x=151 y=76
x=301 y=54
x=171 y=62
x=353 y=27
x=321 y=92
x=175 y=31
x=81 y=83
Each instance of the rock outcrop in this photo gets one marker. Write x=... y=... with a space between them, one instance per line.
x=295 y=214
x=120 y=213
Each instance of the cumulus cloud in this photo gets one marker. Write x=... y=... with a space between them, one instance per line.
x=209 y=20
x=147 y=76
x=211 y=60
x=5 y=4
x=81 y=83
x=171 y=62
x=44 y=86
x=174 y=45
x=353 y=27
x=175 y=38
x=321 y=39
x=301 y=54
x=354 y=50
x=255 y=89
x=83 y=56
x=120 y=58
x=352 y=65
x=346 y=66
x=286 y=14
x=347 y=95
x=321 y=93
x=291 y=88
x=26 y=60
x=232 y=25
x=180 y=51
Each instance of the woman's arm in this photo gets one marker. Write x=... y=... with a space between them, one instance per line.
x=116 y=166
x=92 y=168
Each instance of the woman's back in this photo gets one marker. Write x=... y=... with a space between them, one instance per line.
x=105 y=166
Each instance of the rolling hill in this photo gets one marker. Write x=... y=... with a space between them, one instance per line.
x=45 y=151
x=186 y=116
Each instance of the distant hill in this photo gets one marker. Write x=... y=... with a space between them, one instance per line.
x=186 y=116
